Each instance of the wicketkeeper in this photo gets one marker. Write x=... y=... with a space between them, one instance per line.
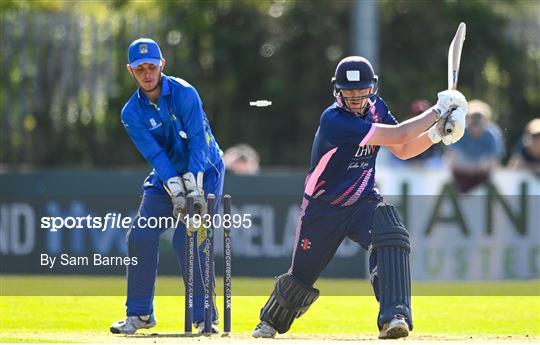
x=165 y=120
x=340 y=199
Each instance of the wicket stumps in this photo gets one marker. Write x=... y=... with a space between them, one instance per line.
x=189 y=263
x=208 y=274
x=227 y=266
x=208 y=264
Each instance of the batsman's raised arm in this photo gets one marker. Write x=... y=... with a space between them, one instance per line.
x=384 y=135
x=455 y=120
x=413 y=148
x=412 y=129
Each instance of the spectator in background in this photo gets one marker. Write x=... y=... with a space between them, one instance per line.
x=477 y=106
x=527 y=152
x=473 y=157
x=242 y=159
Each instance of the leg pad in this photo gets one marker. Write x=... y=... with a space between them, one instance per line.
x=391 y=245
x=289 y=300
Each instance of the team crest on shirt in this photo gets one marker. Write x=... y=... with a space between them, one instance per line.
x=154 y=124
x=305 y=244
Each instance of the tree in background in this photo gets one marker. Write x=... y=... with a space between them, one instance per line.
x=65 y=81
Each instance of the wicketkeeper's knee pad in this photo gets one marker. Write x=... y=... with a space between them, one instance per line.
x=390 y=242
x=289 y=300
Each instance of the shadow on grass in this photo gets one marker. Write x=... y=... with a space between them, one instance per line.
x=165 y=335
x=177 y=335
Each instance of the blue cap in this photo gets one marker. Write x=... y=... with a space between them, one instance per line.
x=144 y=50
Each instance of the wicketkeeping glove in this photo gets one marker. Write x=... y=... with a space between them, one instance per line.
x=194 y=188
x=176 y=190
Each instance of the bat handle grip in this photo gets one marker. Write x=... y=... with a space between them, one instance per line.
x=448 y=128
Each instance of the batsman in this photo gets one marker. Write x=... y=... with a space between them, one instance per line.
x=165 y=120
x=340 y=199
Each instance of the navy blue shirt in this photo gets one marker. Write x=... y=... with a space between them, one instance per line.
x=173 y=135
x=342 y=164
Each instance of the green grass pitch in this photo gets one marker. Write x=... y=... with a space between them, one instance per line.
x=458 y=310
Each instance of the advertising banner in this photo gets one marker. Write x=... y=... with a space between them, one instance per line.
x=492 y=233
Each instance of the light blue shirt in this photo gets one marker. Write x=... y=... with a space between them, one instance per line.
x=474 y=149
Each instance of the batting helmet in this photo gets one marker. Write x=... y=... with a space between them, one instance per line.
x=354 y=72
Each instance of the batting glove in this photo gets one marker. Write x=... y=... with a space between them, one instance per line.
x=449 y=100
x=455 y=121
x=175 y=188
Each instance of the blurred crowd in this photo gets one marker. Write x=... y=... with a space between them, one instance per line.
x=241 y=159
x=471 y=160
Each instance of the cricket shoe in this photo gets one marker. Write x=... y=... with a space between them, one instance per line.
x=200 y=327
x=264 y=330
x=397 y=328
x=133 y=323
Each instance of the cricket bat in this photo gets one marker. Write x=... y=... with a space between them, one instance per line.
x=454 y=58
